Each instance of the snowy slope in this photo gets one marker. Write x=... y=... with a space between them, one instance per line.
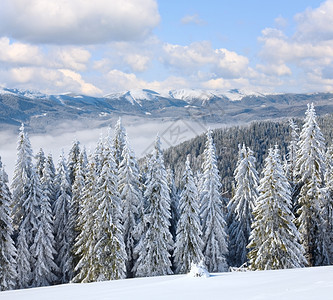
x=305 y=284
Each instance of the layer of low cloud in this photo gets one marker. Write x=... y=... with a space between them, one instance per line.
x=77 y=21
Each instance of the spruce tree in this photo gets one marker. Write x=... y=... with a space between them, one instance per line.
x=64 y=232
x=311 y=200
x=72 y=161
x=291 y=159
x=43 y=248
x=48 y=179
x=274 y=239
x=85 y=241
x=8 y=253
x=109 y=255
x=40 y=161
x=132 y=202
x=26 y=209
x=242 y=204
x=119 y=141
x=189 y=244
x=155 y=246
x=174 y=198
x=329 y=196
x=215 y=237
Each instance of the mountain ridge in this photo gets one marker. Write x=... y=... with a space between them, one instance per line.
x=41 y=111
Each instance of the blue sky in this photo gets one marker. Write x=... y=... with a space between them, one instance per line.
x=102 y=46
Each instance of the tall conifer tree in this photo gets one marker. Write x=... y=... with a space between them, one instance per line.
x=242 y=204
x=311 y=200
x=215 y=237
x=8 y=253
x=132 y=201
x=63 y=230
x=156 y=244
x=189 y=244
x=274 y=240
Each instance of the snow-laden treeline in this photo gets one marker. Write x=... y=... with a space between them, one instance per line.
x=100 y=217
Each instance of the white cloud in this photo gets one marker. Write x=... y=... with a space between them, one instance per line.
x=194 y=19
x=50 y=81
x=77 y=21
x=307 y=53
x=137 y=62
x=74 y=58
x=19 y=53
x=274 y=69
x=315 y=24
x=200 y=57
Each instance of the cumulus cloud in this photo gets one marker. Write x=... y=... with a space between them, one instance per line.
x=315 y=24
x=51 y=81
x=307 y=53
x=19 y=53
x=200 y=56
x=77 y=21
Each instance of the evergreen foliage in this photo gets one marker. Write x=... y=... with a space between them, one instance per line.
x=174 y=203
x=189 y=244
x=241 y=205
x=85 y=241
x=63 y=230
x=26 y=209
x=153 y=249
x=8 y=253
x=132 y=202
x=109 y=254
x=119 y=142
x=274 y=239
x=214 y=227
x=311 y=200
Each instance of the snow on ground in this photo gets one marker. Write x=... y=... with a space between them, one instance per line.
x=305 y=284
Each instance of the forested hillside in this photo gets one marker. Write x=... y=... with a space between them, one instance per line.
x=259 y=136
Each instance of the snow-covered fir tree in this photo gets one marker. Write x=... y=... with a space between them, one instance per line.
x=43 y=249
x=189 y=244
x=241 y=206
x=274 y=239
x=290 y=164
x=77 y=197
x=132 y=202
x=174 y=198
x=119 y=141
x=109 y=255
x=73 y=158
x=22 y=174
x=329 y=196
x=26 y=209
x=40 y=161
x=85 y=241
x=214 y=226
x=63 y=230
x=312 y=200
x=48 y=179
x=8 y=253
x=155 y=246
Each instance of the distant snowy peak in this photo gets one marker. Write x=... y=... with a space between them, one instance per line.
x=239 y=94
x=135 y=96
x=141 y=96
x=191 y=95
x=24 y=93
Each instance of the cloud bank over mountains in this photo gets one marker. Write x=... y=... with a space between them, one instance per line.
x=96 y=47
